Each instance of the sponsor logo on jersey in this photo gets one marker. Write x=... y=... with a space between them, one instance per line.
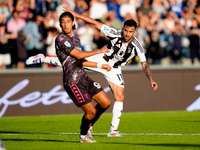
x=106 y=29
x=115 y=32
x=74 y=41
x=67 y=44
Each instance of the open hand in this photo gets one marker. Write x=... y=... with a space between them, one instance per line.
x=68 y=9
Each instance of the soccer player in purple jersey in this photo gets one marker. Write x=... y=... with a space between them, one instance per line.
x=79 y=86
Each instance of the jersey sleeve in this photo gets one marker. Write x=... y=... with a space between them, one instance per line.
x=141 y=57
x=110 y=32
x=139 y=49
x=141 y=54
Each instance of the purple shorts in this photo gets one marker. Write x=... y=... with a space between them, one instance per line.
x=82 y=93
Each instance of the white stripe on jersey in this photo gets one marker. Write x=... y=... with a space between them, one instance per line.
x=137 y=43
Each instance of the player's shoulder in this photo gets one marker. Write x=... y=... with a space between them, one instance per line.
x=60 y=37
x=76 y=39
x=138 y=45
x=63 y=37
x=135 y=40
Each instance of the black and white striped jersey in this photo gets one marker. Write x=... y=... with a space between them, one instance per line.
x=121 y=52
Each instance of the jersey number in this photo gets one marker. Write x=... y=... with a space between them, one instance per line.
x=120 y=77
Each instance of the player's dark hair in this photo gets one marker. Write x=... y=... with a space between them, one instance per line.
x=69 y=15
x=130 y=23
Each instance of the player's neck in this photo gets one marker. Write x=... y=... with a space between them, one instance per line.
x=128 y=40
x=68 y=34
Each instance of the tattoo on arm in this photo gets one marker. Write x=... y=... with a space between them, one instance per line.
x=146 y=69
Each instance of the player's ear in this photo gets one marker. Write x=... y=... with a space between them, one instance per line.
x=135 y=32
x=73 y=25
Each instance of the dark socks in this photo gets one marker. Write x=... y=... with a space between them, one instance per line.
x=85 y=125
x=99 y=113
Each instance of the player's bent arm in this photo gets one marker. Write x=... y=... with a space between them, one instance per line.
x=83 y=54
x=87 y=63
x=147 y=72
x=95 y=23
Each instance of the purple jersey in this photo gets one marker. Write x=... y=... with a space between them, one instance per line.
x=73 y=71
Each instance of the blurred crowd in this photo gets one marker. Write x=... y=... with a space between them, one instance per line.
x=169 y=30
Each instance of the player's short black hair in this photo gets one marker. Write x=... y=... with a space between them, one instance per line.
x=67 y=14
x=130 y=23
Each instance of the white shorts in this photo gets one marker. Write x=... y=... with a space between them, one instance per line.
x=115 y=75
x=5 y=59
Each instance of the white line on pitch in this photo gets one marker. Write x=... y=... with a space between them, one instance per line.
x=170 y=134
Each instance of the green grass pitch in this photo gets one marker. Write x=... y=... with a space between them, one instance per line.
x=167 y=130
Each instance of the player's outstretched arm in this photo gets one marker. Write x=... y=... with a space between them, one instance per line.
x=147 y=72
x=83 y=54
x=95 y=23
x=87 y=63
